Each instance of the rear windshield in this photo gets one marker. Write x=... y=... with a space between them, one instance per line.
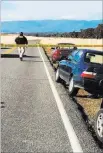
x=94 y=58
x=64 y=50
x=67 y=46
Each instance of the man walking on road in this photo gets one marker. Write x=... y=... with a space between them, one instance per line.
x=21 y=41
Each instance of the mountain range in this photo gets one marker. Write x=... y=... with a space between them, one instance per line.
x=47 y=25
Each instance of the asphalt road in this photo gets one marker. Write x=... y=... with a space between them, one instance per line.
x=30 y=118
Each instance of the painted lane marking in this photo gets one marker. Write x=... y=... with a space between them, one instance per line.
x=10 y=50
x=76 y=147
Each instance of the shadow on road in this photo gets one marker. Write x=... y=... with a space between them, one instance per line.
x=17 y=56
x=5 y=47
x=89 y=96
x=2 y=104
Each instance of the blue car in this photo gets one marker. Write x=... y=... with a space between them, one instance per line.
x=83 y=68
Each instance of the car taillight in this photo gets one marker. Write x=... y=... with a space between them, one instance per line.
x=86 y=74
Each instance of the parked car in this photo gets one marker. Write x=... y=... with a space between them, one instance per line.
x=99 y=123
x=60 y=53
x=64 y=46
x=83 y=68
x=67 y=45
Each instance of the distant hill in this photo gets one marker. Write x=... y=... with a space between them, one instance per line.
x=47 y=25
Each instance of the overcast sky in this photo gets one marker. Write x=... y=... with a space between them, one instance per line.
x=31 y=10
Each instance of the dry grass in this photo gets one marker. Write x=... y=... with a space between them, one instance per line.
x=91 y=106
x=77 y=41
x=9 y=39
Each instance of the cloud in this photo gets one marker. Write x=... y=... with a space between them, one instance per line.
x=31 y=10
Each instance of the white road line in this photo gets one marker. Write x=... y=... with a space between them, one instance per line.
x=76 y=147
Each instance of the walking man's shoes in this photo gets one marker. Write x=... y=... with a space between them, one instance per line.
x=21 y=58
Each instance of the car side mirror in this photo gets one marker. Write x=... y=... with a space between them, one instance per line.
x=64 y=58
x=69 y=59
x=52 y=48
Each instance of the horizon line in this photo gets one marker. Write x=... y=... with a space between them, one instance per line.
x=52 y=19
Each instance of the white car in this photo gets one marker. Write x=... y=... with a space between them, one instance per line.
x=99 y=124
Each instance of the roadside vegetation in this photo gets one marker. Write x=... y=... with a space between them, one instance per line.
x=83 y=33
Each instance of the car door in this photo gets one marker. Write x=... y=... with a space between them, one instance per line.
x=68 y=68
x=62 y=67
x=63 y=64
x=77 y=66
x=69 y=65
x=73 y=65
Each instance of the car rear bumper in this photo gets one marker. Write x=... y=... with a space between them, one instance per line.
x=95 y=86
x=54 y=59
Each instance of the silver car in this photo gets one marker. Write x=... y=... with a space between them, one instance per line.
x=99 y=123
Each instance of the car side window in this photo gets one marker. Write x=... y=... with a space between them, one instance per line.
x=74 y=52
x=77 y=56
x=71 y=56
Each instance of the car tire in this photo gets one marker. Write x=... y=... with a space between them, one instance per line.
x=53 y=62
x=57 y=76
x=71 y=89
x=99 y=125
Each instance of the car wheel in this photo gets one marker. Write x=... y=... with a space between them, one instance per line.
x=53 y=61
x=99 y=125
x=57 y=77
x=71 y=89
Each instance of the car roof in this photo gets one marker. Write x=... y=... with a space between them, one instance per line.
x=64 y=49
x=90 y=50
x=66 y=44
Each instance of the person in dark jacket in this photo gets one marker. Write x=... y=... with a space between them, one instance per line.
x=21 y=41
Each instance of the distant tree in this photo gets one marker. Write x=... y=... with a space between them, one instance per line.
x=98 y=32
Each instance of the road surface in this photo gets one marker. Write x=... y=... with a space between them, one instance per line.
x=32 y=116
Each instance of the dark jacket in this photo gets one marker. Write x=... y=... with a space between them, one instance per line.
x=20 y=40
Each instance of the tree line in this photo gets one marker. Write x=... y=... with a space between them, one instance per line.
x=84 y=33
